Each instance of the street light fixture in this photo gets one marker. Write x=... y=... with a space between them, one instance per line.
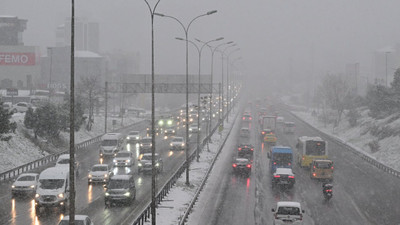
x=186 y=30
x=199 y=50
x=222 y=77
x=213 y=50
x=152 y=10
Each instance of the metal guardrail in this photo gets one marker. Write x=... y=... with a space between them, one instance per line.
x=145 y=214
x=51 y=158
x=363 y=156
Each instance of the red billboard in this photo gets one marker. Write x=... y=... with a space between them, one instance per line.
x=17 y=59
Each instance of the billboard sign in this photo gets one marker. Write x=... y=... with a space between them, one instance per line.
x=12 y=92
x=17 y=59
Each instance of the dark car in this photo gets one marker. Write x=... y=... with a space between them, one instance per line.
x=144 y=164
x=284 y=177
x=245 y=151
x=120 y=188
x=242 y=166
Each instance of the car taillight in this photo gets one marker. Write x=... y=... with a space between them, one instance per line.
x=234 y=165
x=329 y=190
x=263 y=132
x=303 y=158
x=292 y=177
x=301 y=217
x=274 y=163
x=252 y=149
x=244 y=118
x=314 y=167
x=248 y=165
x=332 y=167
x=289 y=164
x=239 y=149
x=277 y=176
x=314 y=174
x=250 y=118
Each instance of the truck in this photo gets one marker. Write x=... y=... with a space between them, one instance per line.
x=268 y=125
x=280 y=157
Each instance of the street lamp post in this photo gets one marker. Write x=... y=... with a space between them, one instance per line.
x=153 y=134
x=222 y=85
x=234 y=79
x=199 y=50
x=386 y=53
x=186 y=30
x=213 y=50
x=227 y=82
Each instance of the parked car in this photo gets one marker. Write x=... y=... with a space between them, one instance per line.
x=99 y=173
x=21 y=107
x=25 y=185
x=144 y=164
x=287 y=212
x=177 y=143
x=120 y=188
x=79 y=220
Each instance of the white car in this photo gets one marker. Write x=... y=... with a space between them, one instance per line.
x=63 y=161
x=193 y=128
x=177 y=143
x=21 y=107
x=133 y=137
x=79 y=220
x=7 y=106
x=99 y=173
x=287 y=212
x=123 y=158
x=144 y=164
x=25 y=184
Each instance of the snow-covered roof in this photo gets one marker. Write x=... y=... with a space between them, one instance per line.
x=86 y=54
x=288 y=203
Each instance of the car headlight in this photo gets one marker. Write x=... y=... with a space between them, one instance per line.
x=105 y=175
x=37 y=195
x=107 y=194
x=128 y=138
x=128 y=160
x=157 y=164
x=139 y=164
x=183 y=144
x=32 y=186
x=190 y=129
x=61 y=195
x=137 y=138
x=127 y=194
x=114 y=160
x=90 y=175
x=12 y=186
x=141 y=145
x=115 y=148
x=171 y=144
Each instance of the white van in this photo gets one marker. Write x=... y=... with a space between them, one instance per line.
x=110 y=144
x=52 y=189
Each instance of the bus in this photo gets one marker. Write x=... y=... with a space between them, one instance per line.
x=281 y=157
x=310 y=148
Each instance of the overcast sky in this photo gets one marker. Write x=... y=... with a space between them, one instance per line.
x=274 y=37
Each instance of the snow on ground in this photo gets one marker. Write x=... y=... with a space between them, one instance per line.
x=359 y=136
x=20 y=150
x=173 y=207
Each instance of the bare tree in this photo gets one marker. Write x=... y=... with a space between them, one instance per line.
x=334 y=91
x=90 y=91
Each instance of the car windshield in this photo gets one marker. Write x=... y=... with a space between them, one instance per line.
x=99 y=168
x=134 y=133
x=51 y=183
x=123 y=154
x=323 y=165
x=118 y=184
x=77 y=222
x=146 y=157
x=282 y=158
x=26 y=178
x=177 y=140
x=146 y=140
x=287 y=210
x=109 y=142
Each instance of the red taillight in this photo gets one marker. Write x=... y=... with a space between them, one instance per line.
x=329 y=190
x=274 y=163
x=250 y=118
x=239 y=149
x=277 y=176
x=301 y=217
x=244 y=118
x=234 y=165
x=314 y=174
x=252 y=149
x=263 y=132
x=314 y=167
x=303 y=158
x=332 y=167
x=289 y=164
x=248 y=165
x=292 y=177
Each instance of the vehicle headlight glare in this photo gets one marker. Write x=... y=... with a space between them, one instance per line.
x=12 y=186
x=61 y=195
x=37 y=195
x=105 y=175
x=107 y=194
x=139 y=164
x=90 y=175
x=127 y=194
x=32 y=186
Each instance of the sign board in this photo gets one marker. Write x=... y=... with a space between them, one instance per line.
x=12 y=92
x=17 y=58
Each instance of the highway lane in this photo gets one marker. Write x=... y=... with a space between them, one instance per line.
x=90 y=198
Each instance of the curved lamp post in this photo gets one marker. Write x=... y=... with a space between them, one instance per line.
x=186 y=30
x=222 y=100
x=213 y=50
x=199 y=51
x=227 y=83
x=153 y=134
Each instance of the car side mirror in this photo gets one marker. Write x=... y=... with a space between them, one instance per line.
x=272 y=210
x=303 y=211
